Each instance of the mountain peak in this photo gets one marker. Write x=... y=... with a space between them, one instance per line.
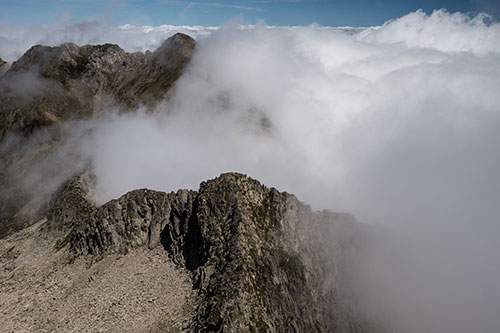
x=175 y=51
x=74 y=82
x=246 y=246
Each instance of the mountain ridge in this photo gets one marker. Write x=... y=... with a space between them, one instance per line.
x=46 y=90
x=74 y=82
x=259 y=259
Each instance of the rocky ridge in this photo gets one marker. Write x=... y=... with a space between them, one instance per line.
x=48 y=88
x=52 y=84
x=260 y=260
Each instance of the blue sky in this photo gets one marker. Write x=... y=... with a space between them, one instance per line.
x=217 y=12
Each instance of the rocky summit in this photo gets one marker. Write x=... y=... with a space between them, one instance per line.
x=73 y=82
x=241 y=257
x=48 y=88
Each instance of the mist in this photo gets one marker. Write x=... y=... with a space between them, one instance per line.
x=397 y=124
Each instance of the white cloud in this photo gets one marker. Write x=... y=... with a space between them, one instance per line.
x=440 y=30
x=15 y=41
x=396 y=124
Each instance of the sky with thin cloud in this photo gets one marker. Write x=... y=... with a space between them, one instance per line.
x=207 y=12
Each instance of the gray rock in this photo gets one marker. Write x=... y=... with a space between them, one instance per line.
x=49 y=86
x=4 y=67
x=72 y=203
x=261 y=260
x=52 y=84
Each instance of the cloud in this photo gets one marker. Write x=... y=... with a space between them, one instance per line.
x=441 y=31
x=15 y=41
x=397 y=124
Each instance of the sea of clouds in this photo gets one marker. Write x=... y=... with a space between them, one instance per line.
x=397 y=124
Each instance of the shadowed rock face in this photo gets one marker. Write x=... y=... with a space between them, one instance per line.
x=52 y=84
x=261 y=260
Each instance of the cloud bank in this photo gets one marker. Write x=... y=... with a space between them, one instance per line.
x=14 y=41
x=396 y=124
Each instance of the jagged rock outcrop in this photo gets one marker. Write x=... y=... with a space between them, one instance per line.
x=4 y=66
x=52 y=84
x=73 y=202
x=48 y=87
x=261 y=260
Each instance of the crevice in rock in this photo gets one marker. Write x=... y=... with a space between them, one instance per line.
x=194 y=247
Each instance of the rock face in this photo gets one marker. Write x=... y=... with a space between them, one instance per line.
x=52 y=84
x=48 y=87
x=72 y=203
x=4 y=66
x=261 y=260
